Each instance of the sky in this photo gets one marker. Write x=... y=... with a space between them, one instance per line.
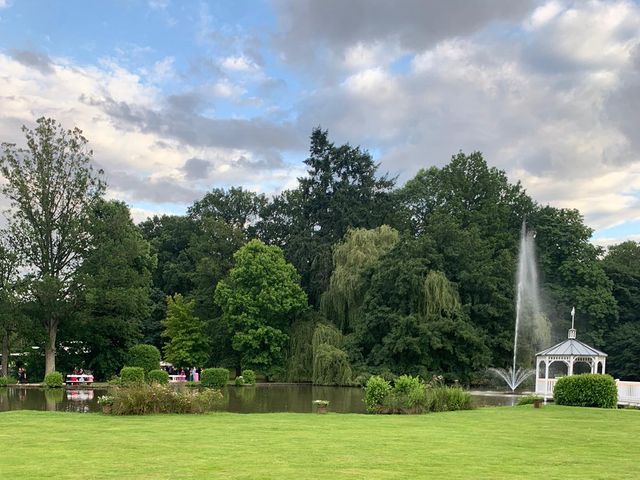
x=179 y=97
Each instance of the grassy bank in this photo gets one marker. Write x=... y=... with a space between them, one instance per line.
x=519 y=442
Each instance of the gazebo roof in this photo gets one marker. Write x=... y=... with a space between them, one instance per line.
x=572 y=347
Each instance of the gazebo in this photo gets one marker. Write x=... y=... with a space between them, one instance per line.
x=570 y=352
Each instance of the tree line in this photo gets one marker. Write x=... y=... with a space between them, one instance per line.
x=349 y=274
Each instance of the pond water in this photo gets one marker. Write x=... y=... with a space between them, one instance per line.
x=262 y=398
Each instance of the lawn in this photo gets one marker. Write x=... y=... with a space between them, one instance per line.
x=492 y=443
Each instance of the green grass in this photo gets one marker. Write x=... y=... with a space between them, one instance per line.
x=492 y=443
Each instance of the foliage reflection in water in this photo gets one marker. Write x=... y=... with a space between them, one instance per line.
x=263 y=398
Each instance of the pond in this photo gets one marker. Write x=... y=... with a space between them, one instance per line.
x=263 y=398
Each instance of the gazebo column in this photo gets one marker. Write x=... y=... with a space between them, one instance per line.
x=546 y=379
x=594 y=366
x=604 y=361
x=537 y=374
x=570 y=367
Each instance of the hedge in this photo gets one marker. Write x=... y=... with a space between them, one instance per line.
x=214 y=377
x=131 y=375
x=158 y=376
x=587 y=390
x=54 y=380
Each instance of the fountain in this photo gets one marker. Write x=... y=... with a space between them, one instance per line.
x=530 y=323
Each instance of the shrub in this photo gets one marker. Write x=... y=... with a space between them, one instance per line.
x=4 y=381
x=528 y=400
x=214 y=377
x=114 y=381
x=239 y=381
x=53 y=380
x=158 y=376
x=142 y=399
x=587 y=390
x=249 y=377
x=444 y=399
x=131 y=375
x=407 y=396
x=145 y=356
x=375 y=392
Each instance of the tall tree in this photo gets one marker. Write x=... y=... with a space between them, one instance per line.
x=8 y=300
x=188 y=346
x=573 y=275
x=52 y=188
x=622 y=266
x=116 y=274
x=342 y=190
x=413 y=320
x=260 y=299
x=236 y=207
x=170 y=236
x=359 y=250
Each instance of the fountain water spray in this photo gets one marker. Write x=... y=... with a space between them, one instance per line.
x=530 y=323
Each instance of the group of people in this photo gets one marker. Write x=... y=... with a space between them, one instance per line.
x=192 y=374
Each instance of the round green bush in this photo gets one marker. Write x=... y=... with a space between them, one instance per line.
x=375 y=392
x=54 y=380
x=249 y=377
x=214 y=377
x=587 y=390
x=158 y=376
x=131 y=375
x=239 y=381
x=4 y=381
x=145 y=356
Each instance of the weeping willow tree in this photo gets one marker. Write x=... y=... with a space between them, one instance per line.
x=360 y=249
x=330 y=362
x=438 y=296
x=300 y=363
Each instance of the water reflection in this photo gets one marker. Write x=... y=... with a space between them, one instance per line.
x=262 y=398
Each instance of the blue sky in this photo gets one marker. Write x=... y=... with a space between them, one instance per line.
x=177 y=97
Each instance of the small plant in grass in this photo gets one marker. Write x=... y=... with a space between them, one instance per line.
x=239 y=381
x=322 y=406
x=131 y=375
x=53 y=380
x=249 y=377
x=375 y=392
x=587 y=390
x=529 y=400
x=105 y=400
x=4 y=381
x=158 y=376
x=214 y=377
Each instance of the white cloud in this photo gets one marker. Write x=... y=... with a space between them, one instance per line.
x=238 y=63
x=163 y=69
x=226 y=89
x=142 y=165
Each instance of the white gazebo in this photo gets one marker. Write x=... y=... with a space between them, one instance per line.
x=570 y=352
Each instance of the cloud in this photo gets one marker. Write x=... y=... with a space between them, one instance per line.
x=409 y=24
x=38 y=61
x=196 y=168
x=146 y=142
x=553 y=128
x=238 y=63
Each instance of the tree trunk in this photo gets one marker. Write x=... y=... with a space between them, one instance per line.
x=5 y=354
x=50 y=348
